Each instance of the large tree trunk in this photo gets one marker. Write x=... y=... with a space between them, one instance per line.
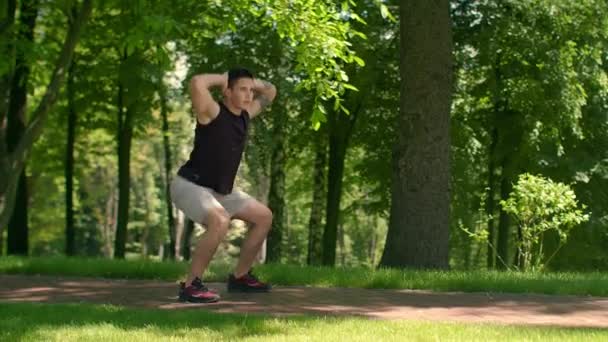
x=18 y=224
x=420 y=206
x=70 y=231
x=125 y=135
x=11 y=165
x=315 y=228
x=276 y=193
x=173 y=246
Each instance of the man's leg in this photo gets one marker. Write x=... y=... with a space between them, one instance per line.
x=218 y=222
x=260 y=219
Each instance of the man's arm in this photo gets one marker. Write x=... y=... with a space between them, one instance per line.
x=265 y=93
x=203 y=104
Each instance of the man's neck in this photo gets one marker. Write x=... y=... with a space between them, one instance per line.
x=231 y=108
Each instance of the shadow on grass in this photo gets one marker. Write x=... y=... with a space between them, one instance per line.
x=35 y=321
x=24 y=320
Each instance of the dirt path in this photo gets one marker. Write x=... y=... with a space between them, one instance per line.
x=568 y=311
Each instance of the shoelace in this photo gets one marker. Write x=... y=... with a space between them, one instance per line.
x=251 y=276
x=198 y=284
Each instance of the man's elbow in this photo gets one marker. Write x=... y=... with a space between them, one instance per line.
x=272 y=93
x=197 y=81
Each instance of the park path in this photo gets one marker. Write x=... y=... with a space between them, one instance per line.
x=525 y=309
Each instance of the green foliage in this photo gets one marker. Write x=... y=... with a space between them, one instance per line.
x=540 y=205
x=320 y=34
x=556 y=283
x=529 y=98
x=533 y=72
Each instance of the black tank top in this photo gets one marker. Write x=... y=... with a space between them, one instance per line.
x=217 y=153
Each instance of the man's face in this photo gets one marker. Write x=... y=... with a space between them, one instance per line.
x=241 y=93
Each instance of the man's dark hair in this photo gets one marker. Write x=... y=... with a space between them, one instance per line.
x=236 y=74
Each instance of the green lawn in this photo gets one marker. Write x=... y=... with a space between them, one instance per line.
x=474 y=281
x=85 y=322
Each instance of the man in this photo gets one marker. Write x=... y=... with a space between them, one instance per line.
x=203 y=187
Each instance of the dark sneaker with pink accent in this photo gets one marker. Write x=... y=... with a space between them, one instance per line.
x=247 y=283
x=197 y=293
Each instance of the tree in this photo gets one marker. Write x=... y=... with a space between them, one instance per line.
x=11 y=163
x=541 y=205
x=70 y=229
x=520 y=97
x=419 y=219
x=17 y=236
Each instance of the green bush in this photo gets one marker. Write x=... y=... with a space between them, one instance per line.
x=540 y=205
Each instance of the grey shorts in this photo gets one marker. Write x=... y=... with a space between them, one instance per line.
x=195 y=201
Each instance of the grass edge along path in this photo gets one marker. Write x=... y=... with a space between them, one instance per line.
x=66 y=322
x=554 y=283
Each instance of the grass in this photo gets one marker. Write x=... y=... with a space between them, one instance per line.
x=594 y=283
x=86 y=322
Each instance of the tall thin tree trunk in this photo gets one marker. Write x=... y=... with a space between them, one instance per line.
x=498 y=112
x=490 y=201
x=189 y=230
x=276 y=193
x=17 y=234
x=70 y=231
x=315 y=228
x=18 y=224
x=179 y=235
x=11 y=164
x=502 y=249
x=109 y=226
x=338 y=141
x=341 y=244
x=373 y=241
x=7 y=51
x=125 y=135
x=418 y=231
x=173 y=246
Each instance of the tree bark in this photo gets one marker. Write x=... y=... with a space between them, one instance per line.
x=7 y=50
x=419 y=219
x=504 y=222
x=189 y=229
x=276 y=193
x=173 y=246
x=315 y=228
x=340 y=131
x=125 y=135
x=18 y=225
x=12 y=164
x=17 y=234
x=490 y=201
x=337 y=154
x=70 y=231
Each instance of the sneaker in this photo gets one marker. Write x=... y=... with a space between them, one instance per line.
x=247 y=283
x=197 y=293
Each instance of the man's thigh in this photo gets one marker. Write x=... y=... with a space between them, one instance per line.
x=193 y=200
x=236 y=202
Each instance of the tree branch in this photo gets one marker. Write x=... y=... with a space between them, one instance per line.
x=35 y=126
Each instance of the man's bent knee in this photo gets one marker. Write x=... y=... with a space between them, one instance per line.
x=265 y=217
x=218 y=220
